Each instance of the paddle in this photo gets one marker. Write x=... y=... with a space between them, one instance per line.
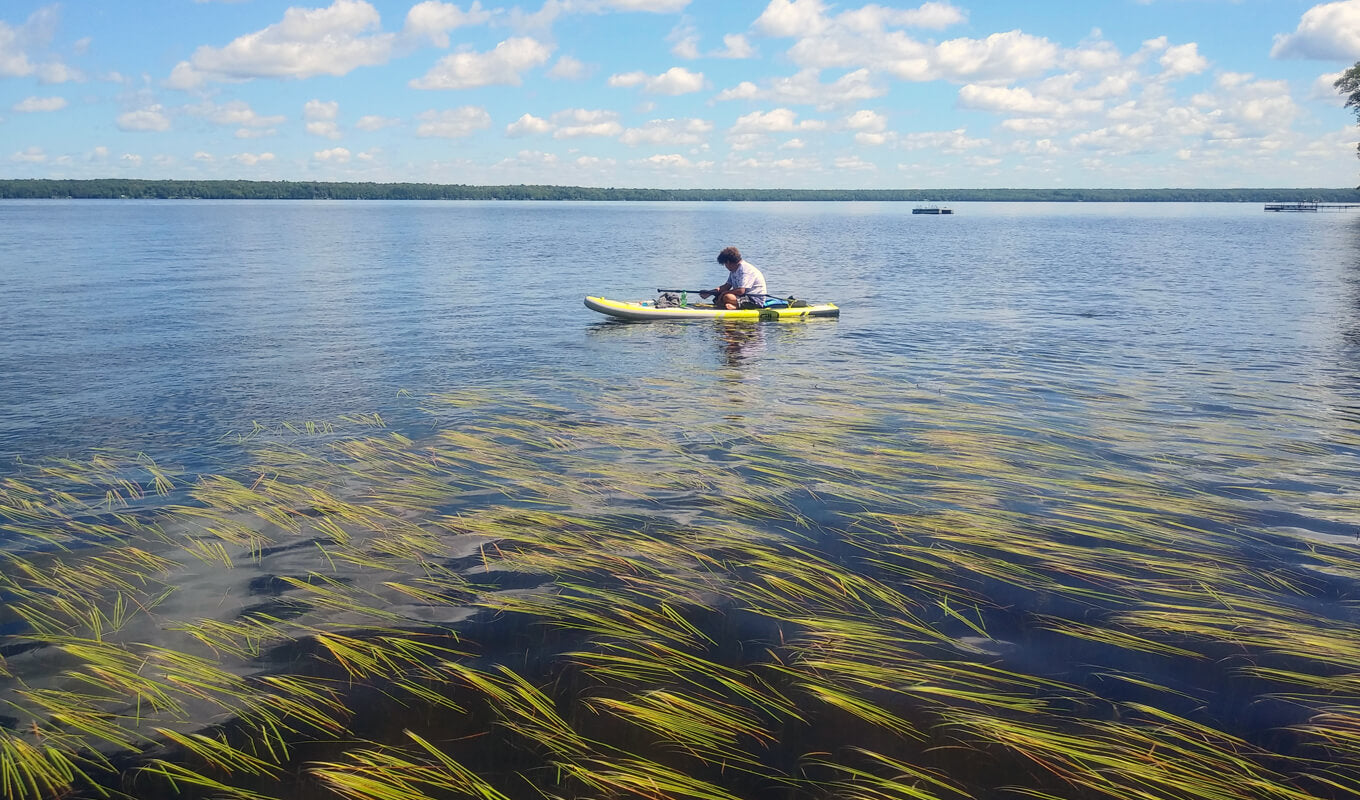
x=791 y=301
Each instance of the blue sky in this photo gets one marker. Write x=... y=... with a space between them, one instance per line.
x=683 y=93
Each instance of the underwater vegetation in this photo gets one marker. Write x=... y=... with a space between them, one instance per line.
x=880 y=592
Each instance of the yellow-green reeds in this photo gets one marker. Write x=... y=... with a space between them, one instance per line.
x=874 y=593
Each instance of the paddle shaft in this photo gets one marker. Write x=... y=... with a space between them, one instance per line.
x=697 y=291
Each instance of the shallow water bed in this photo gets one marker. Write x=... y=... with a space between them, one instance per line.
x=874 y=594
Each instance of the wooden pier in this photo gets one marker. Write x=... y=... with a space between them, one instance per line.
x=1312 y=206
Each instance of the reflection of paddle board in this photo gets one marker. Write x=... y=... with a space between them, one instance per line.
x=647 y=310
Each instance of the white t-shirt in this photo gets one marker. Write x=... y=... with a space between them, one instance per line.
x=747 y=277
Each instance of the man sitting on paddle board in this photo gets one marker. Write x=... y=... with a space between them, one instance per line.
x=745 y=286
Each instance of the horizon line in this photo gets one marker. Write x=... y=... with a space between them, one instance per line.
x=694 y=188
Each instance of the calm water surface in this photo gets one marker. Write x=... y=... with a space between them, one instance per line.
x=1166 y=396
x=160 y=326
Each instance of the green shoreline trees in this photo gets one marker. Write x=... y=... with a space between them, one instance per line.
x=1349 y=85
x=112 y=189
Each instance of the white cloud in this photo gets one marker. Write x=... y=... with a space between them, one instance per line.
x=805 y=88
x=375 y=122
x=777 y=121
x=307 y=42
x=1005 y=100
x=205 y=157
x=31 y=155
x=14 y=62
x=530 y=158
x=100 y=153
x=432 y=20
x=935 y=16
x=650 y=6
x=338 y=155
x=1120 y=139
x=254 y=133
x=801 y=165
x=866 y=120
x=16 y=42
x=1092 y=56
x=1329 y=31
x=742 y=91
x=955 y=141
x=1324 y=89
x=32 y=104
x=323 y=128
x=252 y=159
x=235 y=112
x=1255 y=108
x=872 y=37
x=453 y=123
x=501 y=66
x=686 y=40
x=317 y=110
x=1008 y=55
x=852 y=163
x=735 y=45
x=668 y=131
x=150 y=118
x=1032 y=126
x=578 y=122
x=1000 y=55
x=132 y=159
x=672 y=161
x=1182 y=60
x=568 y=68
x=56 y=72
x=789 y=18
x=320 y=117
x=674 y=81
x=868 y=139
x=527 y=125
x=687 y=48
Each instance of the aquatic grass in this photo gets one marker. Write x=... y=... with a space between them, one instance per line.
x=524 y=708
x=177 y=775
x=30 y=772
x=651 y=663
x=703 y=726
x=875 y=538
x=1172 y=760
x=388 y=774
x=244 y=638
x=644 y=778
x=219 y=755
x=1116 y=638
x=906 y=782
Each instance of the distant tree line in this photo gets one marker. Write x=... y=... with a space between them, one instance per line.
x=113 y=189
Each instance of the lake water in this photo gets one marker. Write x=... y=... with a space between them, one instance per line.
x=163 y=325
x=1021 y=383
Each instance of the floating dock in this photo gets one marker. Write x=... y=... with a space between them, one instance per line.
x=1314 y=206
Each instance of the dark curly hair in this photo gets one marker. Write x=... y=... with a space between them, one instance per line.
x=729 y=255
